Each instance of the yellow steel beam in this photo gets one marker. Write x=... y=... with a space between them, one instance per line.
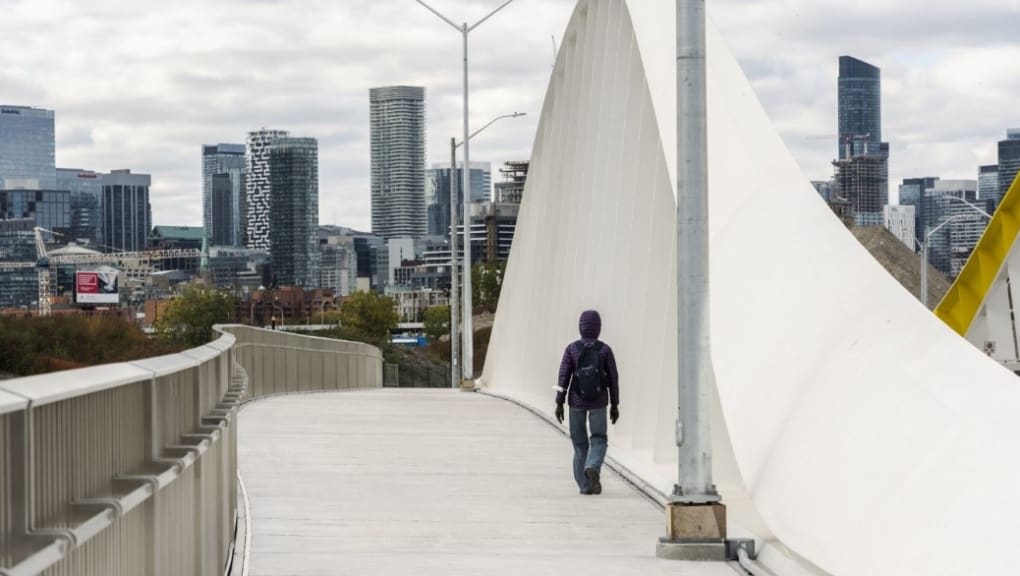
x=964 y=299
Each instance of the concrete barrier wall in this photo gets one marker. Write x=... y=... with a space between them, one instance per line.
x=129 y=469
x=282 y=363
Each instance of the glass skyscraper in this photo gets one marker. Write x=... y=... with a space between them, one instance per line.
x=860 y=107
x=27 y=148
x=50 y=209
x=86 y=188
x=949 y=248
x=1009 y=160
x=437 y=189
x=397 y=120
x=912 y=194
x=223 y=193
x=257 y=187
x=862 y=167
x=127 y=216
x=294 y=218
x=988 y=186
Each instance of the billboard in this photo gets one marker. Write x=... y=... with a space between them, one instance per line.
x=97 y=286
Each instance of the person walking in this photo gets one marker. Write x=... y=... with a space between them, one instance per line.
x=588 y=382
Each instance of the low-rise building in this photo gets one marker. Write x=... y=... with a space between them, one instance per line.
x=900 y=221
x=410 y=304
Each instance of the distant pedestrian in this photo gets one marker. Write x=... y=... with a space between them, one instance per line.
x=588 y=382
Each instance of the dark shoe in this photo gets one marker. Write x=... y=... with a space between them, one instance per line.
x=585 y=492
x=595 y=486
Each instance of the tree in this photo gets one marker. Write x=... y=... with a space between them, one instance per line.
x=59 y=342
x=367 y=317
x=437 y=322
x=486 y=283
x=331 y=317
x=190 y=317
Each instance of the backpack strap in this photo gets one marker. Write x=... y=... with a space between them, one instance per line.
x=578 y=347
x=581 y=348
x=598 y=354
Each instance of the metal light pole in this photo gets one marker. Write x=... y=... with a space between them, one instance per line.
x=454 y=220
x=464 y=29
x=928 y=233
x=975 y=207
x=694 y=362
x=454 y=325
x=924 y=264
x=695 y=523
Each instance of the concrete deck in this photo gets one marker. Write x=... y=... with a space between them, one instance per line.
x=433 y=482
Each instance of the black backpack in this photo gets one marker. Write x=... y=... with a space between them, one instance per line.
x=589 y=379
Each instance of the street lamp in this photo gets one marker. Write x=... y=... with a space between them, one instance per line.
x=974 y=206
x=464 y=30
x=695 y=500
x=251 y=309
x=276 y=304
x=928 y=233
x=490 y=123
x=311 y=311
x=454 y=340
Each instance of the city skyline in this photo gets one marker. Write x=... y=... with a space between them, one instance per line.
x=166 y=100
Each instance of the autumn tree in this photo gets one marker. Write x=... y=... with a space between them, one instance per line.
x=437 y=322
x=486 y=283
x=367 y=317
x=190 y=317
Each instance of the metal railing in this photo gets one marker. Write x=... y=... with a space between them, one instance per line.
x=397 y=376
x=130 y=468
x=282 y=362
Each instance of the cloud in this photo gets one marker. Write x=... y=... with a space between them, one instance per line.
x=945 y=98
x=143 y=84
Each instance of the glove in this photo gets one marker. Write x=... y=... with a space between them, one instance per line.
x=559 y=412
x=614 y=413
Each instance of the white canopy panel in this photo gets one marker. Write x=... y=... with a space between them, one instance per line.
x=854 y=425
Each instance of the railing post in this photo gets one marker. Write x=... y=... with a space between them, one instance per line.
x=151 y=430
x=199 y=532
x=21 y=450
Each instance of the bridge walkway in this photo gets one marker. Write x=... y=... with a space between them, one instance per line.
x=432 y=482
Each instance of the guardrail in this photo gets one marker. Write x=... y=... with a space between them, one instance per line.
x=282 y=362
x=130 y=468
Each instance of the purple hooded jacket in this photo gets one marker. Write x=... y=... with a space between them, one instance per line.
x=590 y=326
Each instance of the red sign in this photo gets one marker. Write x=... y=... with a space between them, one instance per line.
x=97 y=287
x=88 y=283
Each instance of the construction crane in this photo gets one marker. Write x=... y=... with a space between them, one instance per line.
x=43 y=276
x=125 y=259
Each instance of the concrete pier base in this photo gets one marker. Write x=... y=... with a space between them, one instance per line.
x=710 y=551
x=694 y=532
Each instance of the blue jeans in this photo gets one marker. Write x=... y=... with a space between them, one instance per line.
x=588 y=454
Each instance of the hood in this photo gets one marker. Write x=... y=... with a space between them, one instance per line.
x=590 y=324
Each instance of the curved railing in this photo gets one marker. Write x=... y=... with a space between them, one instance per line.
x=284 y=363
x=130 y=468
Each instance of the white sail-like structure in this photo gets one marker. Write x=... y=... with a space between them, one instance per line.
x=857 y=433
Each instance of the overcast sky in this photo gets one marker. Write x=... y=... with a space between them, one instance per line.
x=142 y=85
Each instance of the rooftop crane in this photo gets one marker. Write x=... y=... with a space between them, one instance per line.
x=44 y=260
